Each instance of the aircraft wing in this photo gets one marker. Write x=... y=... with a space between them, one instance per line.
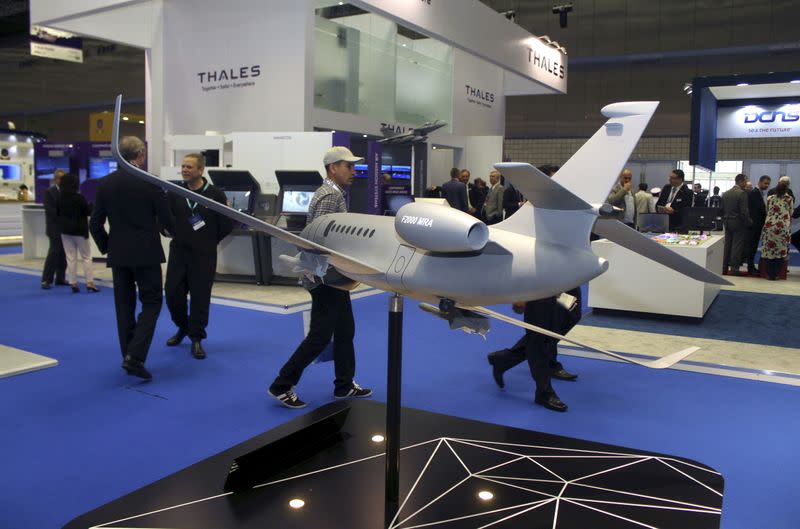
x=616 y=231
x=659 y=363
x=342 y=262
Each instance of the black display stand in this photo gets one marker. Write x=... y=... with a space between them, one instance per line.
x=447 y=464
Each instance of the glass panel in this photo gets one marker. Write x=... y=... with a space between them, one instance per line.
x=362 y=66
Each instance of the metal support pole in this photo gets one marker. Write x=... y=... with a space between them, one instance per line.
x=393 y=401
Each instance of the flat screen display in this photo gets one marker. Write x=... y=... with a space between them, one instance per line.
x=100 y=167
x=10 y=172
x=45 y=166
x=239 y=200
x=296 y=201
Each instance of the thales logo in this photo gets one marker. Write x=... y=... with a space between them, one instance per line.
x=771 y=117
x=483 y=95
x=230 y=74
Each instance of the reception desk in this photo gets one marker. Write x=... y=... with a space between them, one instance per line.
x=637 y=284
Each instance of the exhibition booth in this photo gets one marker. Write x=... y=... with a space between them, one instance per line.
x=269 y=89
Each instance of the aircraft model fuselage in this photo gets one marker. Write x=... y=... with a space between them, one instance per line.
x=473 y=277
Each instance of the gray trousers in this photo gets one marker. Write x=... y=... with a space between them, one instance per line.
x=735 y=244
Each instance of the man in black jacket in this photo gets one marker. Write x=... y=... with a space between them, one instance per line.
x=193 y=255
x=674 y=198
x=455 y=192
x=757 y=206
x=55 y=264
x=136 y=211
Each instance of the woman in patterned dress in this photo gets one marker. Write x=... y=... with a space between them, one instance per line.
x=776 y=233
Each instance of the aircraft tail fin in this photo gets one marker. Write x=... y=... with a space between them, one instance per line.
x=591 y=172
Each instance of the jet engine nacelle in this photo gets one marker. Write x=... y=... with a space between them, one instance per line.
x=440 y=228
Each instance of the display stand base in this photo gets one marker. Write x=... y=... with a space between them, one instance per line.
x=454 y=473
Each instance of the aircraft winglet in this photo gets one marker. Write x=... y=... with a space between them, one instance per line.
x=342 y=262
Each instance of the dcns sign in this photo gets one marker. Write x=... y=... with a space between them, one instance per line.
x=776 y=116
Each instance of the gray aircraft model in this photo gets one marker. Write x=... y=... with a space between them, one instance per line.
x=434 y=253
x=415 y=135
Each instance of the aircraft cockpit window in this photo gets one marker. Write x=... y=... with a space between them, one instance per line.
x=359 y=231
x=371 y=233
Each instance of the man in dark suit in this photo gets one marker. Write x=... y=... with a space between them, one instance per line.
x=455 y=191
x=737 y=221
x=193 y=255
x=55 y=264
x=512 y=198
x=540 y=351
x=136 y=211
x=673 y=199
x=757 y=205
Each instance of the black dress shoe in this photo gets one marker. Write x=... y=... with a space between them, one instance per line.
x=62 y=283
x=136 y=368
x=197 y=350
x=45 y=285
x=563 y=374
x=551 y=402
x=497 y=373
x=75 y=289
x=177 y=338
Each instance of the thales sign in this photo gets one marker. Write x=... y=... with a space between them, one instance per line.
x=225 y=78
x=773 y=121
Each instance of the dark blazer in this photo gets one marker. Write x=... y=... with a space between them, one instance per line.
x=134 y=210
x=477 y=197
x=456 y=194
x=216 y=228
x=73 y=214
x=735 y=212
x=757 y=208
x=511 y=199
x=50 y=203
x=683 y=199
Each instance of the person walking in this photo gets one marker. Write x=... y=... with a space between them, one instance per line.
x=73 y=223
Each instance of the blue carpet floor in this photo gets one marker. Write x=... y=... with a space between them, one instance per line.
x=81 y=434
x=750 y=317
x=5 y=250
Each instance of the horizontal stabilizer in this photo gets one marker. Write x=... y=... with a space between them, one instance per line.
x=342 y=262
x=659 y=363
x=619 y=233
x=539 y=189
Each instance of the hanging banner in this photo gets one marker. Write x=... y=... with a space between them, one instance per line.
x=752 y=121
x=56 y=44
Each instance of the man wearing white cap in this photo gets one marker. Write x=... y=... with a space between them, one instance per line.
x=331 y=311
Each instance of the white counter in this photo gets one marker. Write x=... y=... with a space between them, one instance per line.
x=635 y=283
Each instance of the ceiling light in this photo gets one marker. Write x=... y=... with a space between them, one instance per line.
x=333 y=132
x=364 y=135
x=404 y=45
x=125 y=118
x=377 y=438
x=297 y=503
x=485 y=495
x=795 y=81
x=141 y=121
x=341 y=3
x=743 y=84
x=434 y=146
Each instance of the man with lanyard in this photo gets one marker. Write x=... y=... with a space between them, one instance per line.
x=331 y=311
x=193 y=255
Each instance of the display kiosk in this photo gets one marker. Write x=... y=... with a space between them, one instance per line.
x=240 y=257
x=635 y=283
